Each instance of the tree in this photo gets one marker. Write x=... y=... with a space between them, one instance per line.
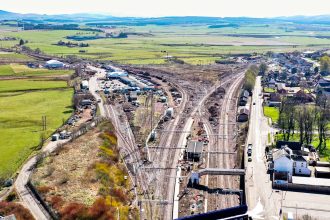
x=263 y=68
x=325 y=64
x=21 y=42
x=250 y=79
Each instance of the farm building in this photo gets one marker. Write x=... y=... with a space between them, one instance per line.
x=53 y=64
x=194 y=150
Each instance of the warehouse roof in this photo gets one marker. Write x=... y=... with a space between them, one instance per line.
x=195 y=147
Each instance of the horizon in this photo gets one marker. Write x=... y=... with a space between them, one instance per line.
x=171 y=8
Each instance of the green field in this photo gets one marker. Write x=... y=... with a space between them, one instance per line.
x=18 y=85
x=23 y=70
x=269 y=90
x=193 y=44
x=14 y=57
x=271 y=112
x=23 y=103
x=20 y=119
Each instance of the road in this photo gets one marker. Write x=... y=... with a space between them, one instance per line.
x=262 y=200
x=26 y=197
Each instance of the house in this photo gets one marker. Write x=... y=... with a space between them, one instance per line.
x=274 y=97
x=293 y=145
x=323 y=86
x=243 y=115
x=300 y=166
x=194 y=150
x=303 y=97
x=272 y=83
x=281 y=88
x=283 y=166
x=54 y=64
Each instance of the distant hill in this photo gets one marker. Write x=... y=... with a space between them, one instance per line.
x=215 y=22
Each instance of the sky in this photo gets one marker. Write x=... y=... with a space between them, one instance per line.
x=158 y=8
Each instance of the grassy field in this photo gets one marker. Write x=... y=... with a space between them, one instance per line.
x=271 y=112
x=193 y=44
x=23 y=103
x=14 y=57
x=269 y=90
x=23 y=70
x=19 y=85
x=20 y=119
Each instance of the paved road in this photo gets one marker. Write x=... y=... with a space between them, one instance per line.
x=263 y=201
x=26 y=197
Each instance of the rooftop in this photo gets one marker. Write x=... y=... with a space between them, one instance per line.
x=195 y=147
x=280 y=153
x=310 y=181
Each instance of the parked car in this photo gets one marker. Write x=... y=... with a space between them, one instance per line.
x=250 y=159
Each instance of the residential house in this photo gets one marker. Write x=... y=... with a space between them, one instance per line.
x=281 y=89
x=282 y=166
x=303 y=97
x=300 y=166
x=272 y=83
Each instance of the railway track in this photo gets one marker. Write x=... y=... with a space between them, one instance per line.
x=226 y=127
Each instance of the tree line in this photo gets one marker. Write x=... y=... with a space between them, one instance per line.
x=305 y=120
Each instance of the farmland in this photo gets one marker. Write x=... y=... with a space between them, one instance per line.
x=23 y=103
x=23 y=70
x=194 y=44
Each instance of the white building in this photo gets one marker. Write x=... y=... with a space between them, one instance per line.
x=300 y=166
x=54 y=64
x=116 y=74
x=84 y=84
x=282 y=162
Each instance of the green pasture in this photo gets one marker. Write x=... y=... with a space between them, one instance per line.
x=23 y=70
x=189 y=43
x=21 y=126
x=18 y=85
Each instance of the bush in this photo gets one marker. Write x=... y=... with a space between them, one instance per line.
x=9 y=208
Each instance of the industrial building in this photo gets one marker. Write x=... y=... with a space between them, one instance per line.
x=194 y=150
x=54 y=64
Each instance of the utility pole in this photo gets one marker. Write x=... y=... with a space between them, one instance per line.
x=44 y=122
